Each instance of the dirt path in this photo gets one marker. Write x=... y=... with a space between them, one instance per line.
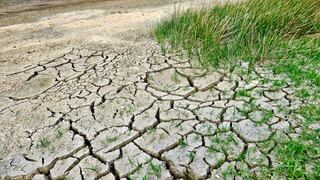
x=21 y=11
x=88 y=95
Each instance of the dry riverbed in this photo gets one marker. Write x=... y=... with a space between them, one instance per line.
x=86 y=93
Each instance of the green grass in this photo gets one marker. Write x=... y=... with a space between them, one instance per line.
x=299 y=158
x=191 y=155
x=156 y=169
x=255 y=30
x=281 y=35
x=267 y=115
x=43 y=143
x=243 y=93
x=182 y=143
x=311 y=113
x=300 y=60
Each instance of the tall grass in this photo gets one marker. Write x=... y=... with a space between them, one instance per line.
x=254 y=30
x=284 y=32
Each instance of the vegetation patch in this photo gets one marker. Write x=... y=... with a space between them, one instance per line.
x=279 y=35
x=299 y=158
x=254 y=31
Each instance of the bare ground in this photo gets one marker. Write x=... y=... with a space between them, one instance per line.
x=88 y=94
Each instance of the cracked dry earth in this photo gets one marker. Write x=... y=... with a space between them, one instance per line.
x=124 y=110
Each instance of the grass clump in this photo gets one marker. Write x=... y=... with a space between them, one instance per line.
x=156 y=169
x=43 y=143
x=254 y=30
x=298 y=160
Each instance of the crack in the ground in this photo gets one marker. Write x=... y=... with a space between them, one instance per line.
x=117 y=97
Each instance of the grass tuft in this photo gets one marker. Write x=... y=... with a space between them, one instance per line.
x=254 y=30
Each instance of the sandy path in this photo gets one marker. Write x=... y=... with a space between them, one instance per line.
x=88 y=95
x=32 y=10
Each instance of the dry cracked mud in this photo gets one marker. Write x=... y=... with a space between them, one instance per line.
x=112 y=106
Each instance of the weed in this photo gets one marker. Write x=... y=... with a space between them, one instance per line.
x=152 y=131
x=52 y=149
x=267 y=115
x=247 y=109
x=182 y=143
x=220 y=162
x=156 y=169
x=245 y=174
x=139 y=167
x=130 y=177
x=212 y=149
x=243 y=93
x=59 y=133
x=303 y=93
x=180 y=127
x=43 y=143
x=191 y=155
x=130 y=161
x=210 y=129
x=241 y=157
x=223 y=128
x=175 y=78
x=228 y=172
x=278 y=83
